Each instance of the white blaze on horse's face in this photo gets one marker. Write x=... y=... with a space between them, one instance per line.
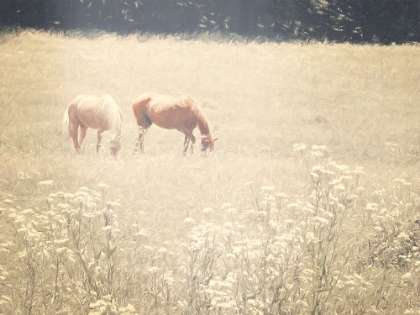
x=115 y=146
x=206 y=144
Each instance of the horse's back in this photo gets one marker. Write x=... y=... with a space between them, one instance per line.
x=161 y=99
x=112 y=105
x=97 y=112
x=171 y=112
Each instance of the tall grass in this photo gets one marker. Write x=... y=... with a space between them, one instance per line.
x=308 y=205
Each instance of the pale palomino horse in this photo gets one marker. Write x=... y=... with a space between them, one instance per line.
x=100 y=113
x=179 y=112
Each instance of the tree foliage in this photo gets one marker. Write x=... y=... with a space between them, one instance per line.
x=382 y=21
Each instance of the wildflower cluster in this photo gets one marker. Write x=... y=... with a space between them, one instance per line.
x=284 y=254
x=336 y=247
x=64 y=255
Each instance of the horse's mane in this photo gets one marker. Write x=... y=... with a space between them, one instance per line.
x=202 y=123
x=203 y=126
x=113 y=112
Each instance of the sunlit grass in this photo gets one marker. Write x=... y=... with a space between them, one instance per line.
x=266 y=195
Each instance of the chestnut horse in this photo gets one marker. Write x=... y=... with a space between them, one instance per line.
x=179 y=112
x=101 y=113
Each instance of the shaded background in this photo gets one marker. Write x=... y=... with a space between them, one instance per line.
x=355 y=21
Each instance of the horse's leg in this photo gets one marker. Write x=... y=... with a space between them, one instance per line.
x=83 y=131
x=188 y=137
x=186 y=144
x=99 y=142
x=140 y=139
x=139 y=142
x=73 y=134
x=142 y=134
x=192 y=144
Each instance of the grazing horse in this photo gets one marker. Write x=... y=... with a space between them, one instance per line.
x=171 y=112
x=101 y=113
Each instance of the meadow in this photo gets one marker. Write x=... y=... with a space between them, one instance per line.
x=308 y=204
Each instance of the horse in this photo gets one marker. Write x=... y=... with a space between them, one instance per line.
x=101 y=113
x=179 y=112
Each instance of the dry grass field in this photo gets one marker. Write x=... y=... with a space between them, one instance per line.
x=307 y=205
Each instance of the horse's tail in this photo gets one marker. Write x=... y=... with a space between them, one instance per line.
x=66 y=125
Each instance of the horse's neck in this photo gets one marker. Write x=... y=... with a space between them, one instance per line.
x=115 y=129
x=203 y=126
x=115 y=133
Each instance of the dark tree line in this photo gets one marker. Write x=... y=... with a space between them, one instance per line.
x=382 y=21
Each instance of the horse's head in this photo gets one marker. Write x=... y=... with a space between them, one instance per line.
x=115 y=145
x=207 y=143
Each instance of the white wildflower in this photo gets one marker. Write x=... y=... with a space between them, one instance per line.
x=404 y=236
x=68 y=196
x=297 y=147
x=379 y=192
x=321 y=219
x=226 y=206
x=46 y=183
x=269 y=188
x=314 y=175
x=372 y=206
x=153 y=269
x=319 y=147
x=340 y=167
x=281 y=195
x=28 y=211
x=208 y=210
x=103 y=185
x=340 y=187
x=162 y=250
x=358 y=170
x=231 y=210
x=142 y=232
x=189 y=220
x=316 y=154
